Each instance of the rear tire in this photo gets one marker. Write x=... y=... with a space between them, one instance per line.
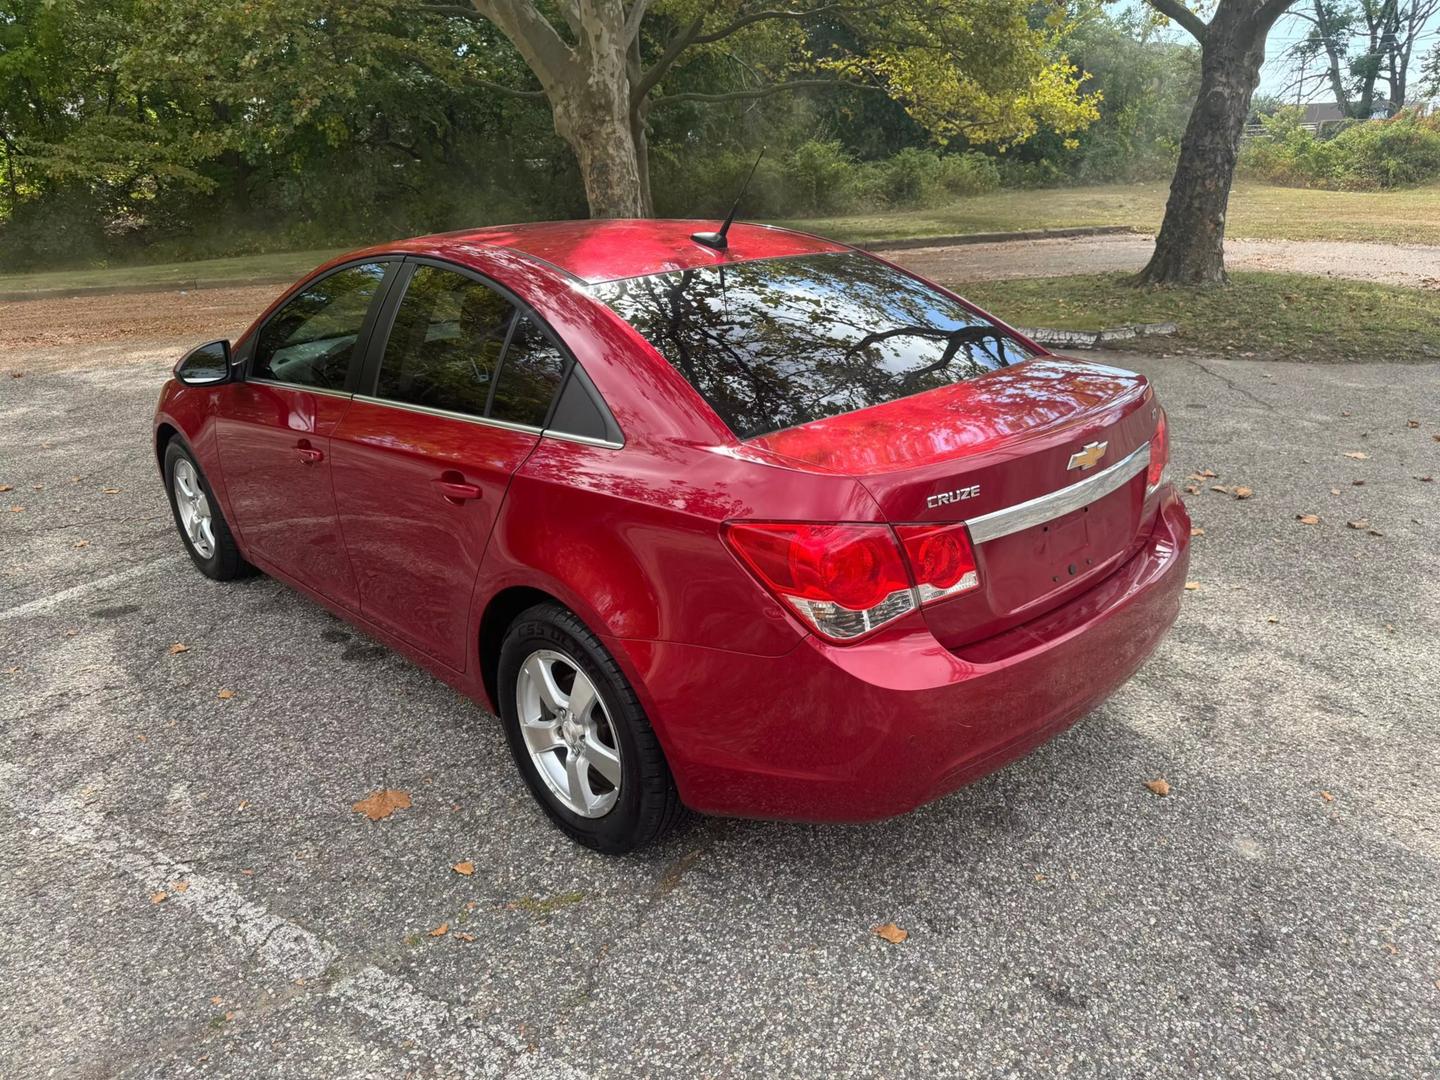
x=598 y=772
x=202 y=527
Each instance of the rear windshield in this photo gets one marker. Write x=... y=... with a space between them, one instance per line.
x=779 y=342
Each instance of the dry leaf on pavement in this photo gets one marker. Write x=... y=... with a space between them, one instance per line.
x=6 y=487
x=178 y=648
x=441 y=930
x=1244 y=492
x=1358 y=455
x=382 y=804
x=465 y=868
x=158 y=897
x=1358 y=523
x=1327 y=796
x=225 y=695
x=1192 y=585
x=1192 y=489
x=1196 y=530
x=110 y=491
x=464 y=937
x=1308 y=519
x=1159 y=787
x=1220 y=488
x=890 y=932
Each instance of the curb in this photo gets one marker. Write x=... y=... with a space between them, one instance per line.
x=1097 y=339
x=997 y=237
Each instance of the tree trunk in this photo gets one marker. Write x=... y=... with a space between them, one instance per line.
x=1190 y=249
x=1332 y=56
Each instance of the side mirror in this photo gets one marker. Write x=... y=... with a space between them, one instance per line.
x=205 y=365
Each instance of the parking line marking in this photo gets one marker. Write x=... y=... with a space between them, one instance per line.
x=44 y=603
x=449 y=1033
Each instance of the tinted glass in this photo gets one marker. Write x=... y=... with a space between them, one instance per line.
x=445 y=343
x=529 y=376
x=310 y=340
x=771 y=344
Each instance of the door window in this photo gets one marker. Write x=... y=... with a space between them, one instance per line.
x=529 y=376
x=445 y=345
x=310 y=341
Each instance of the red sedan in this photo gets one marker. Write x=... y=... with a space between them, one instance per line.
x=774 y=529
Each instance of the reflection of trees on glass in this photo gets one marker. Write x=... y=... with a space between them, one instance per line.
x=775 y=343
x=310 y=339
x=445 y=343
x=529 y=376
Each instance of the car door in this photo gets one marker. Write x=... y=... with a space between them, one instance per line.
x=454 y=400
x=274 y=427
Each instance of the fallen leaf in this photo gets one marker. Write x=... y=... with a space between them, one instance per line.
x=1345 y=412
x=463 y=936
x=80 y=544
x=1244 y=492
x=890 y=932
x=1327 y=796
x=1359 y=523
x=1206 y=474
x=1376 y=532
x=1308 y=519
x=470 y=905
x=225 y=695
x=1271 y=618
x=178 y=648
x=216 y=1000
x=158 y=897
x=1357 y=483
x=1196 y=530
x=1159 y=787
x=1391 y=948
x=382 y=804
x=1192 y=489
x=1220 y=488
x=441 y=930
x=180 y=886
x=248 y=872
x=6 y=487
x=17 y=509
x=244 y=805
x=1358 y=455
x=465 y=868
x=110 y=491
x=1192 y=586
x=1334 y=491
x=1412 y=423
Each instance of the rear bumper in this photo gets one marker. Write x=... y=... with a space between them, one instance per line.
x=827 y=733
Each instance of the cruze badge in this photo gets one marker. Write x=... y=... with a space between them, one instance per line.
x=1087 y=455
x=945 y=498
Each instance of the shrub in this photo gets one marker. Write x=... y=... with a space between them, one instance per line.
x=1362 y=156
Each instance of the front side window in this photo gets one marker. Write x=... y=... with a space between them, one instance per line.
x=775 y=343
x=445 y=345
x=310 y=341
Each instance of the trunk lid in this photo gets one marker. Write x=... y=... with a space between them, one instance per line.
x=983 y=451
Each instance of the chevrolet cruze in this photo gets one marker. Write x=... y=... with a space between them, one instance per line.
x=757 y=525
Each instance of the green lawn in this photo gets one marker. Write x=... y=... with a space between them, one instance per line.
x=1258 y=211
x=1267 y=316
x=283 y=266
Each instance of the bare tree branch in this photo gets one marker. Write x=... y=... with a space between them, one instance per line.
x=1178 y=13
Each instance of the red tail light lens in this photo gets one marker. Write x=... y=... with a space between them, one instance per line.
x=843 y=580
x=942 y=559
x=1159 y=454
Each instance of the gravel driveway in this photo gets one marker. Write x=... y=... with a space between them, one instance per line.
x=186 y=891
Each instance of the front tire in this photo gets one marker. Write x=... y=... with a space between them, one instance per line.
x=202 y=527
x=579 y=736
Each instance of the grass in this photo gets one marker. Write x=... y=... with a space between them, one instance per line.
x=1261 y=315
x=280 y=266
x=1257 y=211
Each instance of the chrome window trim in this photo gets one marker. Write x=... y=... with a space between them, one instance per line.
x=583 y=440
x=302 y=387
x=1045 y=508
x=448 y=414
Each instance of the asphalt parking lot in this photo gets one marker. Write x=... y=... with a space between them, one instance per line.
x=1276 y=915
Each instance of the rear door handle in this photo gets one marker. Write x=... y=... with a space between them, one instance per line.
x=457 y=491
x=308 y=454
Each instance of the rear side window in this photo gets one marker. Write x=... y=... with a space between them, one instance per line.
x=309 y=341
x=529 y=376
x=775 y=343
x=445 y=345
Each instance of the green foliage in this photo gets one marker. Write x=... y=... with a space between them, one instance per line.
x=1364 y=156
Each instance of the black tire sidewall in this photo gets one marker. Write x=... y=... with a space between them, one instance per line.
x=555 y=628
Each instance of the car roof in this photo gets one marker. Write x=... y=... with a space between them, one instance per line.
x=606 y=249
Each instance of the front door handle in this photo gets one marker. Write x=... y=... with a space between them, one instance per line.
x=308 y=454
x=456 y=490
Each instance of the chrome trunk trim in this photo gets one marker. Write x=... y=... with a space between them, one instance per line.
x=1045 y=508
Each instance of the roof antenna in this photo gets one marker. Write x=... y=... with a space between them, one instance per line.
x=717 y=240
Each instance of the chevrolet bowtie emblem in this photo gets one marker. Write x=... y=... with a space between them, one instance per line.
x=1087 y=455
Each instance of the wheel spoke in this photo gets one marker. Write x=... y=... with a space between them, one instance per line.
x=542 y=674
x=604 y=760
x=542 y=736
x=577 y=780
x=582 y=695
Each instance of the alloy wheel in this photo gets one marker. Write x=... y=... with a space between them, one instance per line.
x=568 y=733
x=193 y=508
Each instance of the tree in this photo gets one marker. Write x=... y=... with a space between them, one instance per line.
x=971 y=67
x=1190 y=249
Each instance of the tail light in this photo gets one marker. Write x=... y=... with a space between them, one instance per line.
x=846 y=581
x=1159 y=455
x=843 y=580
x=942 y=559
